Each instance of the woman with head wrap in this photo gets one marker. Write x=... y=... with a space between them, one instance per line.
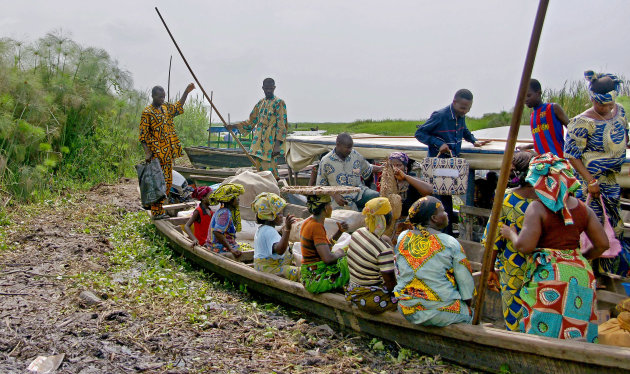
x=322 y=270
x=510 y=263
x=400 y=161
x=558 y=292
x=371 y=261
x=270 y=248
x=435 y=282
x=596 y=147
x=200 y=217
x=226 y=221
x=409 y=189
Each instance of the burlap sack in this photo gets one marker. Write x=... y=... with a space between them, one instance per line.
x=254 y=183
x=389 y=190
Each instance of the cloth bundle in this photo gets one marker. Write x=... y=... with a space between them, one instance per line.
x=616 y=331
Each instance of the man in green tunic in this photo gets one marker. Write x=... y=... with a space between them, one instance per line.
x=268 y=122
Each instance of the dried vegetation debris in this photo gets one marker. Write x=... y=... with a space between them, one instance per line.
x=83 y=277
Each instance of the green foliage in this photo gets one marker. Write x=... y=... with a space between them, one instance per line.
x=376 y=345
x=400 y=127
x=192 y=125
x=68 y=117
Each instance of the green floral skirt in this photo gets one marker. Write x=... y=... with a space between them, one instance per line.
x=320 y=277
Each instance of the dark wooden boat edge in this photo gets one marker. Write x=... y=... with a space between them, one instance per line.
x=478 y=347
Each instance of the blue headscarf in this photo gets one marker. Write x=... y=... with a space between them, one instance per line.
x=400 y=156
x=602 y=98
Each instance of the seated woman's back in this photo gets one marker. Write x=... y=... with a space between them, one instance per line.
x=556 y=234
x=434 y=277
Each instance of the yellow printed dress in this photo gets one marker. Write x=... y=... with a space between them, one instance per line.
x=433 y=278
x=268 y=122
x=158 y=133
x=510 y=262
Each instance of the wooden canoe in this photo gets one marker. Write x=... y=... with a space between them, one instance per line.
x=211 y=157
x=476 y=346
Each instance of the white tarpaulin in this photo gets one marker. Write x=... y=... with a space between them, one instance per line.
x=302 y=151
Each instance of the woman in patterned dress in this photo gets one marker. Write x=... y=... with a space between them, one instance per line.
x=558 y=294
x=510 y=263
x=434 y=281
x=596 y=147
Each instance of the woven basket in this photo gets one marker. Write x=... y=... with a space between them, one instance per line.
x=320 y=190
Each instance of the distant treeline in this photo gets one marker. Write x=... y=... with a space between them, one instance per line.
x=573 y=97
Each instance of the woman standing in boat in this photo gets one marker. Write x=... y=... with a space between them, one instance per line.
x=435 y=282
x=322 y=270
x=226 y=221
x=596 y=147
x=200 y=217
x=270 y=248
x=371 y=261
x=510 y=262
x=559 y=290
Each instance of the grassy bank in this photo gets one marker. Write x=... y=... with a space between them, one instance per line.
x=574 y=101
x=396 y=127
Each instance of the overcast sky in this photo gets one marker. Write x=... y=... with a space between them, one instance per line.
x=342 y=60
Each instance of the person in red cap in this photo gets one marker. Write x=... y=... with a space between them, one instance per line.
x=200 y=217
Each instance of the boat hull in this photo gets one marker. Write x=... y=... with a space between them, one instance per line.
x=209 y=157
x=478 y=347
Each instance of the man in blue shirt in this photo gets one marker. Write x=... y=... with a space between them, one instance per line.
x=443 y=133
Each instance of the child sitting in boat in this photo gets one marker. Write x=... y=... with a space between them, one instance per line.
x=322 y=270
x=435 y=282
x=371 y=261
x=226 y=221
x=270 y=248
x=200 y=217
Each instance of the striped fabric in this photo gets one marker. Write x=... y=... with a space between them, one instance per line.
x=547 y=130
x=368 y=256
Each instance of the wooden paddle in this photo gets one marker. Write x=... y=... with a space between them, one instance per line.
x=204 y=91
x=487 y=265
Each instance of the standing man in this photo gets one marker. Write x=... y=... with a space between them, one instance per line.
x=158 y=137
x=268 y=122
x=343 y=166
x=443 y=133
x=547 y=121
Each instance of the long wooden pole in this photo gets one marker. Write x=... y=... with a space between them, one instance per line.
x=204 y=91
x=210 y=121
x=168 y=87
x=487 y=265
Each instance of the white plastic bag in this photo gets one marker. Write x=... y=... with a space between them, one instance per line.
x=343 y=242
